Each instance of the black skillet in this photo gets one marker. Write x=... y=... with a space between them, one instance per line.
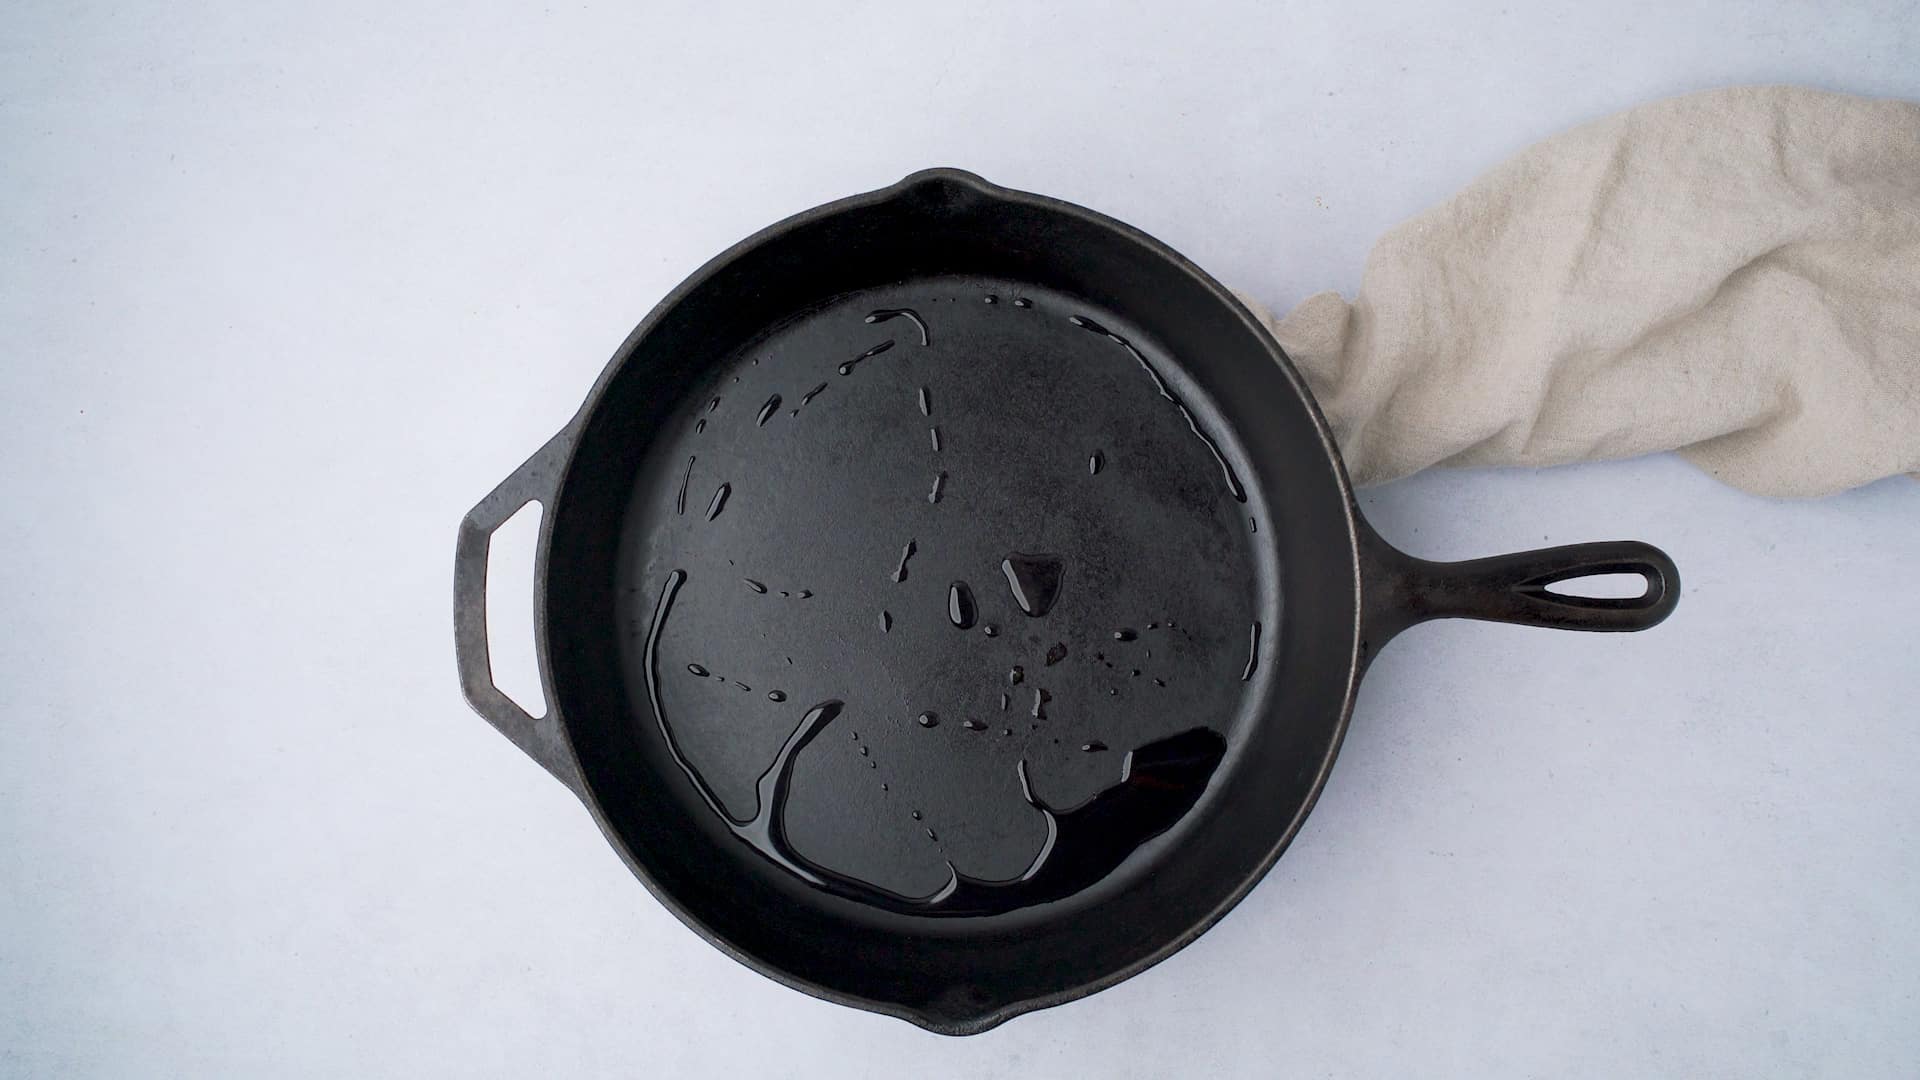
x=950 y=601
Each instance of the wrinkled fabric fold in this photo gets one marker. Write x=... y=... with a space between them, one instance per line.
x=1734 y=274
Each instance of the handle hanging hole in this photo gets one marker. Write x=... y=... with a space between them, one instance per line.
x=1627 y=586
x=510 y=585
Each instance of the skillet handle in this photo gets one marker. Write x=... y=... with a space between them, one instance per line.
x=1402 y=590
x=540 y=737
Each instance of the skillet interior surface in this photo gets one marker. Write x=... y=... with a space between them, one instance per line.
x=951 y=602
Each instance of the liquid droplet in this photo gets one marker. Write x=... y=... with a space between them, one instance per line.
x=847 y=368
x=1035 y=581
x=754 y=585
x=1094 y=747
x=1252 y=525
x=712 y=405
x=884 y=787
x=1007 y=731
x=990 y=299
x=680 y=500
x=974 y=725
x=1253 y=652
x=765 y=830
x=990 y=630
x=932 y=836
x=807 y=398
x=926 y=403
x=1016 y=675
x=960 y=607
x=1022 y=302
x=1159 y=682
x=700 y=425
x=856 y=736
x=1040 y=699
x=929 y=719
x=873 y=764
x=1111 y=692
x=886 y=621
x=1056 y=653
x=939 y=481
x=719 y=502
x=900 y=572
x=884 y=314
x=1125 y=634
x=933 y=436
x=776 y=696
x=916 y=815
x=698 y=670
x=863 y=751
x=743 y=686
x=766 y=411
x=807 y=594
x=1135 y=673
x=1193 y=424
x=1095 y=463
x=1005 y=700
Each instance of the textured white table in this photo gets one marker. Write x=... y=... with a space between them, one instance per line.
x=286 y=287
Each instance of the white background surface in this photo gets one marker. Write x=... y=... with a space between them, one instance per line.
x=287 y=287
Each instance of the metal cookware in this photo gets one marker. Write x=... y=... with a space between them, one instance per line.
x=950 y=601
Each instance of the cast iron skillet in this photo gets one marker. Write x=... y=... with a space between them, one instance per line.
x=950 y=601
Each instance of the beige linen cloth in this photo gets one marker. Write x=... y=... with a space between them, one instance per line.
x=1734 y=274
